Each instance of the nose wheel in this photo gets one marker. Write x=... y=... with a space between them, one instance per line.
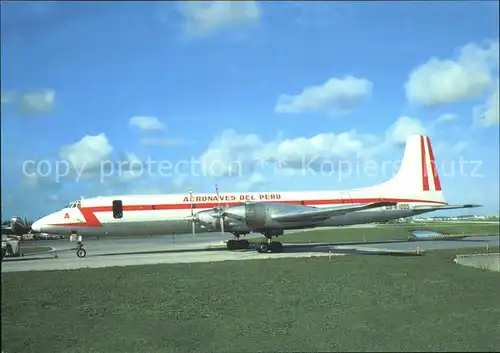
x=80 y=251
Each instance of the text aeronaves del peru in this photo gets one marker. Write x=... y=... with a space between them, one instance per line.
x=229 y=198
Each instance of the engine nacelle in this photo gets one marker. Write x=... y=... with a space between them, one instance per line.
x=249 y=217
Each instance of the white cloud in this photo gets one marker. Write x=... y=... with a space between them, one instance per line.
x=206 y=17
x=440 y=81
x=34 y=102
x=130 y=167
x=404 y=127
x=337 y=95
x=450 y=149
x=146 y=123
x=253 y=180
x=444 y=118
x=88 y=153
x=488 y=114
x=234 y=154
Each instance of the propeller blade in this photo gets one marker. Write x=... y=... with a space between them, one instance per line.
x=220 y=209
x=193 y=225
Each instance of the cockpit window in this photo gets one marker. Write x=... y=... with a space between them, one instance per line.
x=74 y=204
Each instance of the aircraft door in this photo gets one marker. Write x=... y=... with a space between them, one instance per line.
x=255 y=215
x=117 y=209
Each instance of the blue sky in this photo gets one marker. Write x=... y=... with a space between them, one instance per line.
x=234 y=85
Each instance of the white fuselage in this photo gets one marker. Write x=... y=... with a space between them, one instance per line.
x=166 y=214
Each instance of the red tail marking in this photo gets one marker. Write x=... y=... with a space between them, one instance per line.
x=425 y=177
x=437 y=183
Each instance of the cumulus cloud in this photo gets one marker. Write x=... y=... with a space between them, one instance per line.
x=146 y=123
x=233 y=154
x=442 y=81
x=130 y=167
x=37 y=102
x=206 y=17
x=29 y=103
x=253 y=180
x=337 y=95
x=446 y=148
x=404 y=127
x=88 y=153
x=444 y=118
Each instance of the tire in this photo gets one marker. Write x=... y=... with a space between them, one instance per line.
x=263 y=248
x=81 y=253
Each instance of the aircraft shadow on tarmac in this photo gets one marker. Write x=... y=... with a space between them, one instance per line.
x=288 y=248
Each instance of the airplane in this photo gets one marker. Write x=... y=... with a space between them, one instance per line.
x=414 y=190
x=16 y=227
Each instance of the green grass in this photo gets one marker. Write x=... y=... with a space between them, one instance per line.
x=347 y=303
x=380 y=233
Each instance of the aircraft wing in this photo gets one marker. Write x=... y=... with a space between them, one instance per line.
x=444 y=207
x=315 y=214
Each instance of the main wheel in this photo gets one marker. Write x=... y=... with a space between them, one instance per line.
x=237 y=244
x=81 y=253
x=263 y=247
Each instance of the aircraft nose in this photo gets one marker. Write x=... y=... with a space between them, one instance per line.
x=36 y=227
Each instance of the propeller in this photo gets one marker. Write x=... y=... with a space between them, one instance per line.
x=193 y=218
x=219 y=209
x=193 y=226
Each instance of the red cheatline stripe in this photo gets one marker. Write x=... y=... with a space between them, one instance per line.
x=425 y=177
x=92 y=221
x=437 y=183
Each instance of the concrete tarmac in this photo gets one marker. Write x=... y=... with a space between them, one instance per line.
x=207 y=247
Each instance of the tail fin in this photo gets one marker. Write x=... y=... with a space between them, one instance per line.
x=418 y=176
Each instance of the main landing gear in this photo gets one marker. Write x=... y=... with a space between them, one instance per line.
x=264 y=247
x=270 y=246
x=237 y=243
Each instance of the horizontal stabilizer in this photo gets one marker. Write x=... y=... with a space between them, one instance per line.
x=315 y=214
x=444 y=207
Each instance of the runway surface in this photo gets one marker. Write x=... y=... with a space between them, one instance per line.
x=207 y=248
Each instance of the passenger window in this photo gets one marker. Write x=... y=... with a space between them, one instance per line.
x=117 y=209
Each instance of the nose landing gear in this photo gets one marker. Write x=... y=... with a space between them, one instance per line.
x=80 y=251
